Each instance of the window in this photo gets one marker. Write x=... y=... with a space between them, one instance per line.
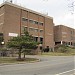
x=41 y=40
x=31 y=21
x=71 y=37
x=1 y=34
x=23 y=28
x=31 y=29
x=36 y=30
x=1 y=37
x=41 y=23
x=35 y=22
x=71 y=32
x=69 y=43
x=36 y=39
x=24 y=19
x=41 y=30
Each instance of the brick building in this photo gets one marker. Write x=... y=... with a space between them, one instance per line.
x=14 y=19
x=64 y=35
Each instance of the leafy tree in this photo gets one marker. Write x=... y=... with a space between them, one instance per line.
x=23 y=43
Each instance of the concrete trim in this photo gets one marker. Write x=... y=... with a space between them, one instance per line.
x=20 y=7
x=2 y=14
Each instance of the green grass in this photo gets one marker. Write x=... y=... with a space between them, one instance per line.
x=14 y=60
x=58 y=54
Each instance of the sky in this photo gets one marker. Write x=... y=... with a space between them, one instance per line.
x=60 y=10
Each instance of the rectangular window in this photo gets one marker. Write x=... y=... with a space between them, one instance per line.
x=41 y=23
x=1 y=37
x=31 y=21
x=36 y=30
x=35 y=22
x=1 y=34
x=31 y=29
x=71 y=37
x=23 y=28
x=36 y=39
x=24 y=19
x=69 y=43
x=71 y=32
x=41 y=31
x=41 y=40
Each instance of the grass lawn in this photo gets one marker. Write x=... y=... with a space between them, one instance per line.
x=14 y=60
x=58 y=54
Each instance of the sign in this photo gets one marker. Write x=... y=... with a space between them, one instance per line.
x=13 y=34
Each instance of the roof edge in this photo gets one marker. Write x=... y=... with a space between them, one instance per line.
x=27 y=9
x=65 y=26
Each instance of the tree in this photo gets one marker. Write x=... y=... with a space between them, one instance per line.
x=23 y=43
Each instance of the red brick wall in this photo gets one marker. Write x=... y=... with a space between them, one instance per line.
x=12 y=21
x=13 y=24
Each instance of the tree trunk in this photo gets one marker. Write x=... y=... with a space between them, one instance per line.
x=24 y=55
x=19 y=54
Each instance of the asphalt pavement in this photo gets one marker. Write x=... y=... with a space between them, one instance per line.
x=48 y=65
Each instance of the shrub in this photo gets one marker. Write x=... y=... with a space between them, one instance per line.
x=46 y=49
x=3 y=49
x=63 y=49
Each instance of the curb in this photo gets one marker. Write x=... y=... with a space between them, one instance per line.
x=3 y=64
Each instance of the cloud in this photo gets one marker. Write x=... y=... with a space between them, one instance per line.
x=66 y=19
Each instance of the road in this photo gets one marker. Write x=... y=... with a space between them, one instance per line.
x=49 y=65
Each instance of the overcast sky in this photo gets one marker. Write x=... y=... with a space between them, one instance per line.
x=58 y=9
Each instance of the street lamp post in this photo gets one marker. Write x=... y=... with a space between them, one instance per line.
x=40 y=45
x=2 y=43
